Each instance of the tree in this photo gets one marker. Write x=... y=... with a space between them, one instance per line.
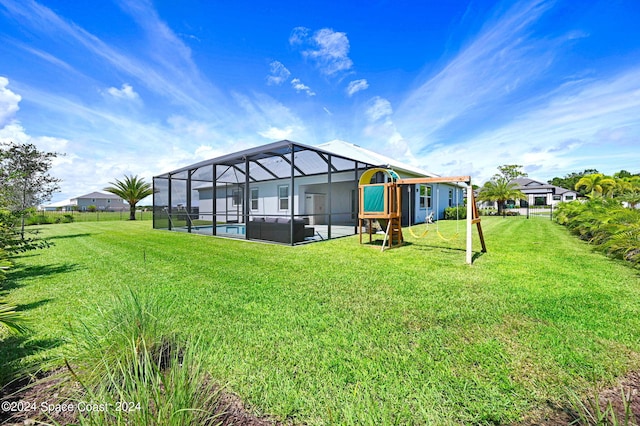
x=623 y=174
x=570 y=180
x=499 y=190
x=25 y=181
x=628 y=190
x=596 y=184
x=510 y=172
x=132 y=190
x=501 y=186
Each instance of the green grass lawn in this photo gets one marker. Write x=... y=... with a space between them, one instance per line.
x=339 y=333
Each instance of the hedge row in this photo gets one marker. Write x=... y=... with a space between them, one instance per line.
x=607 y=224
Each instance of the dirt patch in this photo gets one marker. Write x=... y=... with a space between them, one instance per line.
x=42 y=399
x=44 y=395
x=617 y=401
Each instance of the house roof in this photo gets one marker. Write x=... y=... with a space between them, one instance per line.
x=532 y=186
x=98 y=195
x=361 y=154
x=272 y=161
x=63 y=203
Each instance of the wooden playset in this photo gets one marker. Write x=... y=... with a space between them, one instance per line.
x=382 y=201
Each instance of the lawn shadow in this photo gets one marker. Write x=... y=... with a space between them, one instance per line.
x=14 y=349
x=63 y=237
x=378 y=243
x=17 y=273
x=430 y=247
x=32 y=305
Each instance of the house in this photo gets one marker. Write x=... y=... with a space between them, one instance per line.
x=101 y=201
x=64 y=205
x=285 y=192
x=542 y=194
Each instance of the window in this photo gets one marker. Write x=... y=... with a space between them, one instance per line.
x=568 y=197
x=254 y=198
x=283 y=197
x=236 y=197
x=540 y=201
x=451 y=198
x=425 y=197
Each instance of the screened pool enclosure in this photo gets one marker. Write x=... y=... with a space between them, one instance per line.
x=283 y=192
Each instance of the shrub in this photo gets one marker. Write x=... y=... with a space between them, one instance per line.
x=454 y=213
x=39 y=219
x=605 y=223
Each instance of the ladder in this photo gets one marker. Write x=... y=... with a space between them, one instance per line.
x=393 y=233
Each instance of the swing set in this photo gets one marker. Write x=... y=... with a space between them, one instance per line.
x=429 y=218
x=382 y=201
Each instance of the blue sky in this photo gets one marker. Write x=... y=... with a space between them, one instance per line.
x=455 y=87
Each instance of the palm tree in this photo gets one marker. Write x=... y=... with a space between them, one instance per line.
x=132 y=190
x=9 y=318
x=596 y=184
x=623 y=186
x=631 y=192
x=500 y=190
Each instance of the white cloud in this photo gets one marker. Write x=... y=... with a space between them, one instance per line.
x=274 y=133
x=329 y=49
x=278 y=73
x=382 y=132
x=299 y=35
x=380 y=108
x=205 y=152
x=166 y=69
x=8 y=102
x=126 y=92
x=492 y=67
x=300 y=87
x=270 y=119
x=357 y=86
x=584 y=125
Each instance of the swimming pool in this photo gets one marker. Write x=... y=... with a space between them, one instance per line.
x=227 y=229
x=234 y=229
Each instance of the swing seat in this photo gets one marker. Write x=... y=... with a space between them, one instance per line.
x=428 y=220
x=454 y=237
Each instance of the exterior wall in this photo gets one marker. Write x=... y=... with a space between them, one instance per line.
x=344 y=207
x=439 y=201
x=100 y=203
x=549 y=198
x=343 y=189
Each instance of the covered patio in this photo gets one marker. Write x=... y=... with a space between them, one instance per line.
x=283 y=192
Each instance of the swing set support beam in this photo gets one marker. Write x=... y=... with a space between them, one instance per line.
x=452 y=179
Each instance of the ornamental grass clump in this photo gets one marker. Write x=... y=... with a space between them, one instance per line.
x=129 y=370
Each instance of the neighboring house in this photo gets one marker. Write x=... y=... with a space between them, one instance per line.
x=543 y=194
x=102 y=202
x=538 y=194
x=64 y=206
x=292 y=182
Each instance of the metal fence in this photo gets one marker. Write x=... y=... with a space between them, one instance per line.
x=80 y=216
x=545 y=212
